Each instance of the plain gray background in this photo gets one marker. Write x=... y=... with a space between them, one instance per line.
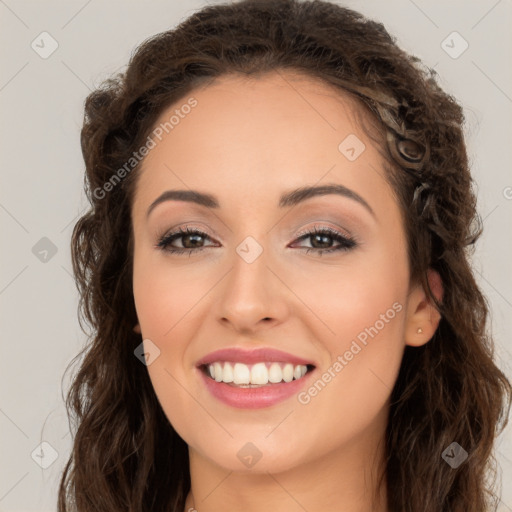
x=41 y=105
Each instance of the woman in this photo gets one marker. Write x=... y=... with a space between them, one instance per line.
x=275 y=270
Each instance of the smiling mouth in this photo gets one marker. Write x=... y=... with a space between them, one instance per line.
x=255 y=375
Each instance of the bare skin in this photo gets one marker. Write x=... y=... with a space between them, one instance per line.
x=247 y=142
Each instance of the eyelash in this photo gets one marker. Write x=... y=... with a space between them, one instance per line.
x=345 y=242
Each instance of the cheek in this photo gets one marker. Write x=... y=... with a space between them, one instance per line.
x=165 y=300
x=171 y=300
x=165 y=295
x=351 y=297
x=361 y=308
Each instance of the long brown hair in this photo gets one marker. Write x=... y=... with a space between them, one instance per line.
x=126 y=456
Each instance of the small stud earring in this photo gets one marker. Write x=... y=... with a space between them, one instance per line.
x=419 y=330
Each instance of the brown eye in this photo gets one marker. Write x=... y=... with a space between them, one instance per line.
x=191 y=240
x=319 y=239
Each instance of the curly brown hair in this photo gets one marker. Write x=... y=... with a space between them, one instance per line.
x=126 y=456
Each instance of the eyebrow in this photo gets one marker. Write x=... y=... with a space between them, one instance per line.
x=289 y=198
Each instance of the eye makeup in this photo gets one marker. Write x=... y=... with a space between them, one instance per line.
x=318 y=234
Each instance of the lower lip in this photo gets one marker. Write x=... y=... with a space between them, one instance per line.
x=254 y=398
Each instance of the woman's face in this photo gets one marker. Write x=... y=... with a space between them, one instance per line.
x=275 y=302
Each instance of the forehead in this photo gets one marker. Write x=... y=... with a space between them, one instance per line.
x=261 y=133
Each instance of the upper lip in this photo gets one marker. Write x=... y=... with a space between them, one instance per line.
x=251 y=356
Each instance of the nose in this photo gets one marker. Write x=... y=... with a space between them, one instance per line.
x=252 y=297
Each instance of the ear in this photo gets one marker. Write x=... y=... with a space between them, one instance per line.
x=136 y=329
x=422 y=315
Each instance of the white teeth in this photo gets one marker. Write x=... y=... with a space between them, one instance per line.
x=259 y=374
x=288 y=372
x=241 y=374
x=275 y=373
x=227 y=373
x=217 y=368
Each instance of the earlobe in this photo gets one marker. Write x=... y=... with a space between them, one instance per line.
x=424 y=317
x=136 y=329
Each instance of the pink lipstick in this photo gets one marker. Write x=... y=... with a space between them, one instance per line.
x=256 y=378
